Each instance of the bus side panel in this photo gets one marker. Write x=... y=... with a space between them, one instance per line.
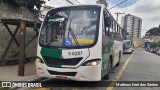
x=117 y=48
x=107 y=50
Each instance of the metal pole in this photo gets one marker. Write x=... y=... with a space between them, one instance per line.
x=22 y=48
x=117 y=17
x=117 y=13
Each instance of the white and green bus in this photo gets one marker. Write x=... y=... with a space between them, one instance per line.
x=80 y=43
x=128 y=46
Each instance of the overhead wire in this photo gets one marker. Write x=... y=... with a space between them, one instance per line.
x=77 y=1
x=117 y=4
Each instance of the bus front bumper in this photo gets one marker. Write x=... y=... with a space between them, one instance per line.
x=82 y=73
x=127 y=51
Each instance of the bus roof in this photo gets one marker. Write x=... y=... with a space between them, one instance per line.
x=101 y=5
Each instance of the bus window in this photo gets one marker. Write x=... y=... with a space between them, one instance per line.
x=120 y=31
x=114 y=30
x=107 y=30
x=107 y=23
x=63 y=24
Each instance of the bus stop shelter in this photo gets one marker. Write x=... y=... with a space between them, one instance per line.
x=22 y=44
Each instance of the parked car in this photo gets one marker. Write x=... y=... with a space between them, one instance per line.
x=154 y=50
x=158 y=52
x=147 y=49
x=150 y=49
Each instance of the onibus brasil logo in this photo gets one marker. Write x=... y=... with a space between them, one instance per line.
x=20 y=84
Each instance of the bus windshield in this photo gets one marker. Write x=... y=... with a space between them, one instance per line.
x=127 y=44
x=70 y=27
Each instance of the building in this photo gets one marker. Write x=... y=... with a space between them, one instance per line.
x=133 y=25
x=152 y=38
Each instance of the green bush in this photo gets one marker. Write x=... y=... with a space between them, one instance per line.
x=155 y=44
x=30 y=4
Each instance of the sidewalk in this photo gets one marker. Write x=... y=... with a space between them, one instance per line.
x=10 y=72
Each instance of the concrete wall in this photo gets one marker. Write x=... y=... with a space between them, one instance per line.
x=10 y=12
x=5 y=37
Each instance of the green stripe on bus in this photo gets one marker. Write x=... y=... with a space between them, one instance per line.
x=52 y=53
x=107 y=50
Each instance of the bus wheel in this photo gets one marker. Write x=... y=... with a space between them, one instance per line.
x=119 y=59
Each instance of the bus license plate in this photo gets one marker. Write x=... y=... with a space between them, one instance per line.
x=61 y=77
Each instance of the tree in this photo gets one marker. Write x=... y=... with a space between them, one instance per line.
x=30 y=4
x=154 y=31
x=155 y=44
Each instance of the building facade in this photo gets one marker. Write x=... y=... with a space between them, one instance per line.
x=133 y=25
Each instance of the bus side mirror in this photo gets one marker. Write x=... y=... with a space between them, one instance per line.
x=107 y=22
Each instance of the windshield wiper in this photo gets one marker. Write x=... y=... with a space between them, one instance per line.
x=51 y=40
x=72 y=33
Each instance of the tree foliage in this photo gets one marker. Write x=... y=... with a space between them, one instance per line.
x=33 y=5
x=155 y=44
x=154 y=31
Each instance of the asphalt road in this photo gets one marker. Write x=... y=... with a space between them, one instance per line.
x=143 y=66
x=139 y=66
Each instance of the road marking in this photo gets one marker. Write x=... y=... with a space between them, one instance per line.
x=113 y=82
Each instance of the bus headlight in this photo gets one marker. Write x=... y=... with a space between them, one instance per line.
x=91 y=63
x=38 y=60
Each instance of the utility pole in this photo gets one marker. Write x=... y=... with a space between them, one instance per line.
x=22 y=48
x=118 y=15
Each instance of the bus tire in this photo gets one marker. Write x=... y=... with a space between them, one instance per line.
x=118 y=63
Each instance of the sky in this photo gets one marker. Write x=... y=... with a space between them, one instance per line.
x=125 y=4
x=148 y=10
